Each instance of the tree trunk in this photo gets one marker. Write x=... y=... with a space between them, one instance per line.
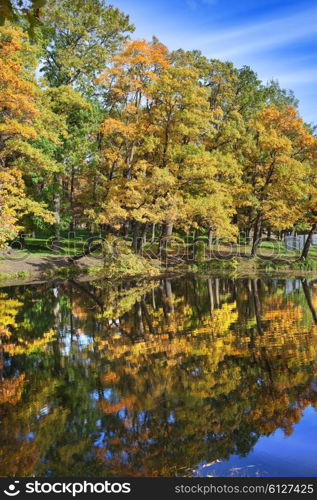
x=169 y=295
x=153 y=233
x=161 y=243
x=139 y=318
x=57 y=214
x=22 y=241
x=309 y=300
x=257 y=305
x=217 y=292
x=167 y=231
x=126 y=227
x=153 y=299
x=210 y=239
x=57 y=323
x=144 y=232
x=136 y=233
x=71 y=201
x=211 y=295
x=256 y=234
x=147 y=317
x=308 y=242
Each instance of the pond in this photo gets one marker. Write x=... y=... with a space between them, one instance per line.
x=191 y=376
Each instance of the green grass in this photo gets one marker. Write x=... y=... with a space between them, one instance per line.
x=40 y=246
x=20 y=275
x=272 y=250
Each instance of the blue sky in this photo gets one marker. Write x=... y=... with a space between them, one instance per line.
x=277 y=38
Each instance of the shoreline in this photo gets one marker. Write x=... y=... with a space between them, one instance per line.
x=39 y=269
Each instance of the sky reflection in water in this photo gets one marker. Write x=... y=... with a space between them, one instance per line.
x=191 y=376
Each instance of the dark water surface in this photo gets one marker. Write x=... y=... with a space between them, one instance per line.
x=190 y=376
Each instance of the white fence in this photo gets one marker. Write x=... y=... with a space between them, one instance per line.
x=297 y=242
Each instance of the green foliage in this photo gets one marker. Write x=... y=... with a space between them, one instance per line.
x=124 y=137
x=25 y=11
x=305 y=264
x=119 y=260
x=200 y=248
x=79 y=38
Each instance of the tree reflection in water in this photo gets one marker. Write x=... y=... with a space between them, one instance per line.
x=151 y=378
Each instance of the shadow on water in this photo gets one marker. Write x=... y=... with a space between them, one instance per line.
x=185 y=376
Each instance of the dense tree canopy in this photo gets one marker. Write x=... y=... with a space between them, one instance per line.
x=125 y=137
x=128 y=141
x=28 y=131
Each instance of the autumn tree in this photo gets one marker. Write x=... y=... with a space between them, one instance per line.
x=127 y=137
x=235 y=96
x=78 y=39
x=26 y=124
x=278 y=143
x=124 y=134
x=158 y=170
x=181 y=126
x=308 y=216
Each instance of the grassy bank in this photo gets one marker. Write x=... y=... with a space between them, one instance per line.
x=38 y=261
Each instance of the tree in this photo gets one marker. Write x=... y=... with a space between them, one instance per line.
x=278 y=143
x=180 y=128
x=308 y=215
x=124 y=134
x=79 y=39
x=26 y=122
x=157 y=170
x=235 y=96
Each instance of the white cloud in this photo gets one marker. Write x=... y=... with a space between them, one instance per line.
x=301 y=77
x=259 y=37
x=274 y=48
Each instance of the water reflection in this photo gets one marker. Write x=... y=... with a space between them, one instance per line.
x=158 y=378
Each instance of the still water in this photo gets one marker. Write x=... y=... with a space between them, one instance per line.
x=177 y=377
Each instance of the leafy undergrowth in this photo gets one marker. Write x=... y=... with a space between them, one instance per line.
x=20 y=275
x=298 y=264
x=306 y=264
x=120 y=261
